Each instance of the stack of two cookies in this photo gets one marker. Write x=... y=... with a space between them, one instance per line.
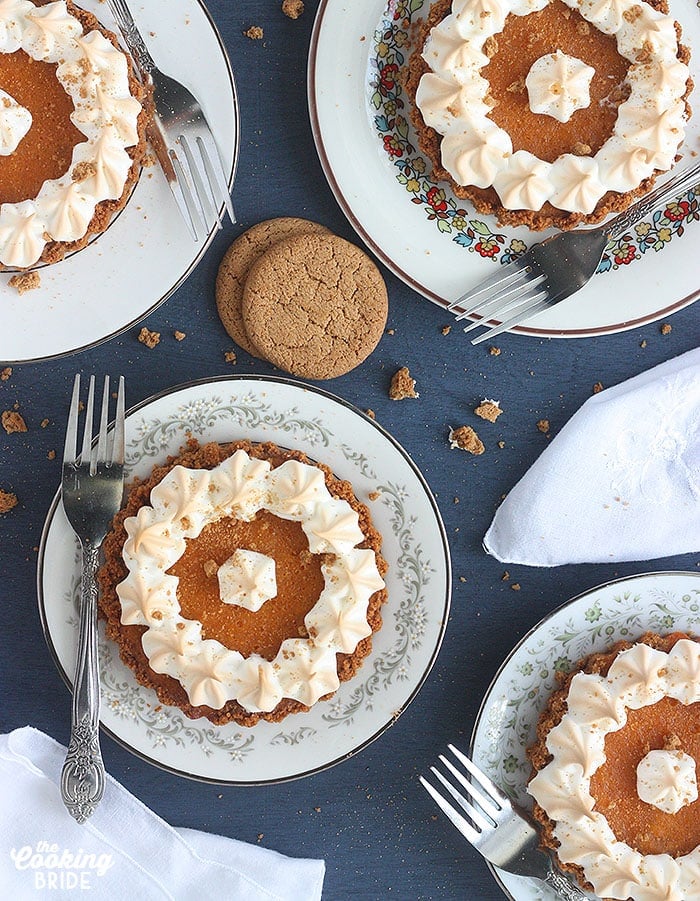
x=291 y=292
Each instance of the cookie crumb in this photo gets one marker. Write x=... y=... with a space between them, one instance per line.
x=51 y=455
x=374 y=495
x=582 y=149
x=501 y=444
x=402 y=385
x=230 y=356
x=495 y=351
x=210 y=567
x=25 y=281
x=506 y=576
x=149 y=338
x=446 y=329
x=465 y=438
x=13 y=422
x=515 y=586
x=543 y=425
x=255 y=33
x=179 y=336
x=6 y=373
x=7 y=501
x=517 y=86
x=489 y=410
x=666 y=328
x=390 y=331
x=583 y=27
x=44 y=423
x=490 y=46
x=369 y=412
x=462 y=579
x=598 y=387
x=292 y=8
x=643 y=343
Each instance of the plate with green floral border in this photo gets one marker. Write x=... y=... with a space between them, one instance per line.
x=660 y=602
x=435 y=242
x=383 y=476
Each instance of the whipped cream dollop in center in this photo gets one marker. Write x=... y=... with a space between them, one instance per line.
x=666 y=779
x=15 y=122
x=558 y=85
x=247 y=579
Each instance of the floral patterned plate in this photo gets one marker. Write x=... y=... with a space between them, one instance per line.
x=415 y=546
x=435 y=242
x=505 y=725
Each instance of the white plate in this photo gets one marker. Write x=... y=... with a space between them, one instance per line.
x=505 y=725
x=418 y=582
x=147 y=252
x=352 y=40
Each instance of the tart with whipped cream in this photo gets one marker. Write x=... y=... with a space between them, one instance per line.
x=617 y=766
x=242 y=582
x=72 y=122
x=550 y=112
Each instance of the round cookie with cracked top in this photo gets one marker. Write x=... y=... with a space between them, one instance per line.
x=316 y=306
x=237 y=261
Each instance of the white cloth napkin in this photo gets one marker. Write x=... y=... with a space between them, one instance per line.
x=621 y=481
x=124 y=850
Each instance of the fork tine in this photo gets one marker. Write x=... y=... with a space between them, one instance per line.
x=87 y=433
x=502 y=277
x=534 y=305
x=102 y=435
x=486 y=804
x=215 y=172
x=504 y=301
x=452 y=815
x=200 y=190
x=70 y=446
x=481 y=778
x=481 y=824
x=118 y=432
x=185 y=193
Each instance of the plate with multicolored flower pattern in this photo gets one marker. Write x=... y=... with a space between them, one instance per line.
x=660 y=602
x=435 y=242
x=383 y=476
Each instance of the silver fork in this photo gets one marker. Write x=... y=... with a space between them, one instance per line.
x=556 y=268
x=91 y=491
x=504 y=835
x=195 y=176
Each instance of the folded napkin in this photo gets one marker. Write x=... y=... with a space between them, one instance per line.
x=621 y=481
x=124 y=850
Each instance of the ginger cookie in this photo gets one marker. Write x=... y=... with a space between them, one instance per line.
x=236 y=263
x=315 y=306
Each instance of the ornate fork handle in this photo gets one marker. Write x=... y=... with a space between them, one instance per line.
x=132 y=36
x=563 y=887
x=672 y=188
x=83 y=774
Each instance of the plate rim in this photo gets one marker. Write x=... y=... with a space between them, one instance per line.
x=516 y=647
x=413 y=283
x=193 y=383
x=236 y=120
